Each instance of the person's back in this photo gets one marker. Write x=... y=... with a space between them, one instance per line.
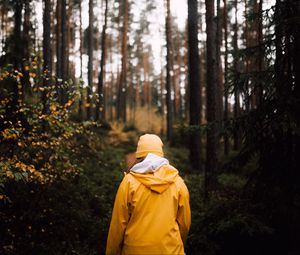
x=151 y=214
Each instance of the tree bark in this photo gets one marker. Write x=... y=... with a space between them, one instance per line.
x=179 y=79
x=247 y=60
x=3 y=23
x=168 y=75
x=162 y=102
x=121 y=111
x=58 y=41
x=173 y=46
x=259 y=97
x=236 y=135
x=219 y=71
x=112 y=89
x=195 y=101
x=90 y=61
x=81 y=99
x=226 y=110
x=46 y=53
x=26 y=49
x=211 y=147
x=17 y=34
x=17 y=56
x=100 y=109
x=64 y=49
x=186 y=72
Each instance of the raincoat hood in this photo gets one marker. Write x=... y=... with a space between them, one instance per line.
x=155 y=173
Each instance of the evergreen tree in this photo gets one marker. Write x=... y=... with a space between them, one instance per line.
x=211 y=91
x=168 y=74
x=100 y=109
x=194 y=85
x=122 y=87
x=90 y=61
x=46 y=52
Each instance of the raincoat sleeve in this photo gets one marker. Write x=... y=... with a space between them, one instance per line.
x=184 y=212
x=119 y=220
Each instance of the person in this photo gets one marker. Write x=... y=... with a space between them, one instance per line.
x=151 y=213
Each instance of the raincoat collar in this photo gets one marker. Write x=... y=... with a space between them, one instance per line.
x=155 y=173
x=150 y=164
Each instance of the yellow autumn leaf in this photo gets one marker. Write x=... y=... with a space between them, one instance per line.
x=9 y=174
x=53 y=107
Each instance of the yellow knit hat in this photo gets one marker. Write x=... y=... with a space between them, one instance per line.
x=149 y=143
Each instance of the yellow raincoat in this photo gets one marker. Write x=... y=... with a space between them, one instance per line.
x=151 y=214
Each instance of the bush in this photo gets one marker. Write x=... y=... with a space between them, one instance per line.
x=224 y=225
x=57 y=183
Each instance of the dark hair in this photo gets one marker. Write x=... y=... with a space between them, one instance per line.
x=138 y=160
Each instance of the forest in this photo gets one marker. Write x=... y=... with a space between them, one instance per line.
x=217 y=80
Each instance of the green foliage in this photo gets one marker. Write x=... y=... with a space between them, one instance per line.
x=231 y=181
x=218 y=224
x=66 y=216
x=49 y=204
x=178 y=157
x=58 y=178
x=35 y=143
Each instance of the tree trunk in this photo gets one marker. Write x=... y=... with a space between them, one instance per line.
x=146 y=78
x=147 y=85
x=247 y=60
x=17 y=61
x=64 y=49
x=237 y=136
x=90 y=61
x=186 y=72
x=137 y=91
x=3 y=23
x=26 y=49
x=226 y=138
x=53 y=38
x=195 y=102
x=168 y=76
x=46 y=53
x=100 y=113
x=219 y=71
x=178 y=88
x=70 y=41
x=58 y=42
x=80 y=104
x=176 y=78
x=172 y=46
x=17 y=56
x=112 y=81
x=259 y=96
x=121 y=111
x=162 y=102
x=211 y=92
x=131 y=96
